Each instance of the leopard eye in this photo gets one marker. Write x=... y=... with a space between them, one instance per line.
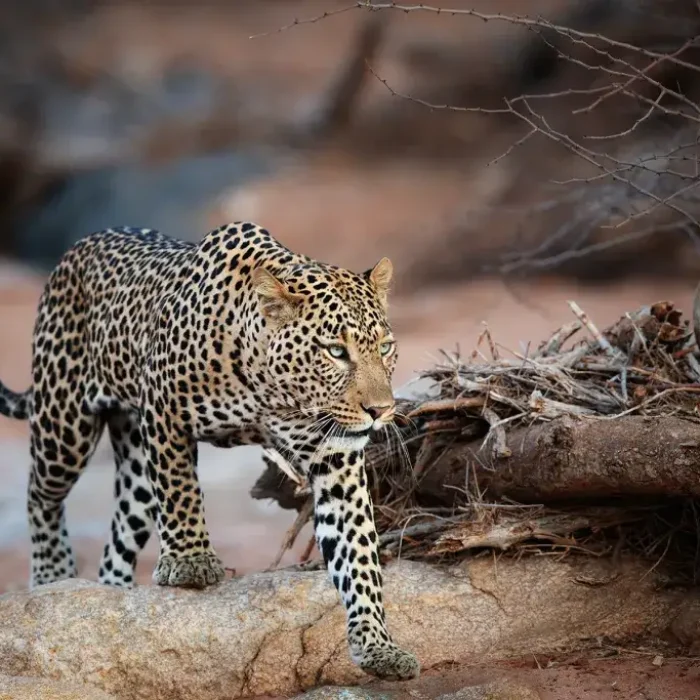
x=387 y=348
x=338 y=352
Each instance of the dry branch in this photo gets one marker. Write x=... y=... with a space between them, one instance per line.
x=612 y=92
x=565 y=459
x=297 y=526
x=584 y=458
x=600 y=102
x=515 y=529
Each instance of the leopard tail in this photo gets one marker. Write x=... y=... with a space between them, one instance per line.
x=13 y=404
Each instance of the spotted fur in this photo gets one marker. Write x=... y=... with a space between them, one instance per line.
x=234 y=340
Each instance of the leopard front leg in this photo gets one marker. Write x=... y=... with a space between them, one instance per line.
x=347 y=539
x=186 y=557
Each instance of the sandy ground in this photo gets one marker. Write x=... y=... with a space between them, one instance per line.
x=630 y=676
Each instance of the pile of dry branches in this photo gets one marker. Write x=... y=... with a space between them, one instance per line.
x=590 y=443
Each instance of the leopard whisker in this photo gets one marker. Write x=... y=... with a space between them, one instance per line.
x=404 y=454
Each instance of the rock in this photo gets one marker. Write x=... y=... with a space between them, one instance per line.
x=685 y=627
x=497 y=690
x=345 y=693
x=282 y=633
x=22 y=688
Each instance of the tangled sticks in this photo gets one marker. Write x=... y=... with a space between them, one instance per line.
x=557 y=448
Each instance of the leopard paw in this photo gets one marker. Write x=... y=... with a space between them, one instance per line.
x=189 y=571
x=389 y=662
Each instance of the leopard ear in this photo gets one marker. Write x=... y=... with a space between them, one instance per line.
x=380 y=277
x=277 y=303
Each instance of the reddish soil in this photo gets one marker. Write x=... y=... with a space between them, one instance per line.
x=631 y=676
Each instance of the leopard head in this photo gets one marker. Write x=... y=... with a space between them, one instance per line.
x=330 y=351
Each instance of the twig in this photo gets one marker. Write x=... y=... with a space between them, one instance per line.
x=310 y=20
x=553 y=345
x=497 y=434
x=504 y=535
x=688 y=389
x=583 y=317
x=530 y=22
x=446 y=405
x=306 y=554
x=293 y=532
x=302 y=485
x=413 y=530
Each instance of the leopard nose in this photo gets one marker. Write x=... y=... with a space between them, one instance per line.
x=377 y=411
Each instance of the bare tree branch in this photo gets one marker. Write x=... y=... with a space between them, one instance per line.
x=627 y=115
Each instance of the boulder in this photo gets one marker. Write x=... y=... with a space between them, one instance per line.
x=497 y=690
x=284 y=632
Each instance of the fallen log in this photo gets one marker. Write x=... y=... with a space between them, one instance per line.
x=569 y=458
x=577 y=458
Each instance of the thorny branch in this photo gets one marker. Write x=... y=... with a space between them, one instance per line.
x=645 y=164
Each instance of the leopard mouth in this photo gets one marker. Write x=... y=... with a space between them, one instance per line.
x=350 y=431
x=361 y=432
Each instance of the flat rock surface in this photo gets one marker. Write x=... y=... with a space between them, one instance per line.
x=282 y=633
x=22 y=688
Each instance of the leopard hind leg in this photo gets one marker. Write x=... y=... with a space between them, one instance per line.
x=64 y=434
x=134 y=515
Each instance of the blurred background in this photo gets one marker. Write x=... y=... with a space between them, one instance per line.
x=508 y=156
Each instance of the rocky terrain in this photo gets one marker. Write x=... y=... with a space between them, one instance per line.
x=274 y=635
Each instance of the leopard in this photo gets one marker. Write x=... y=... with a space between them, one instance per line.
x=232 y=339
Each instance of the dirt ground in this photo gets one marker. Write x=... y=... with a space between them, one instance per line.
x=580 y=677
x=628 y=675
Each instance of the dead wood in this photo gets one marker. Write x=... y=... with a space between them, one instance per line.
x=514 y=529
x=591 y=447
x=273 y=485
x=565 y=459
x=576 y=458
